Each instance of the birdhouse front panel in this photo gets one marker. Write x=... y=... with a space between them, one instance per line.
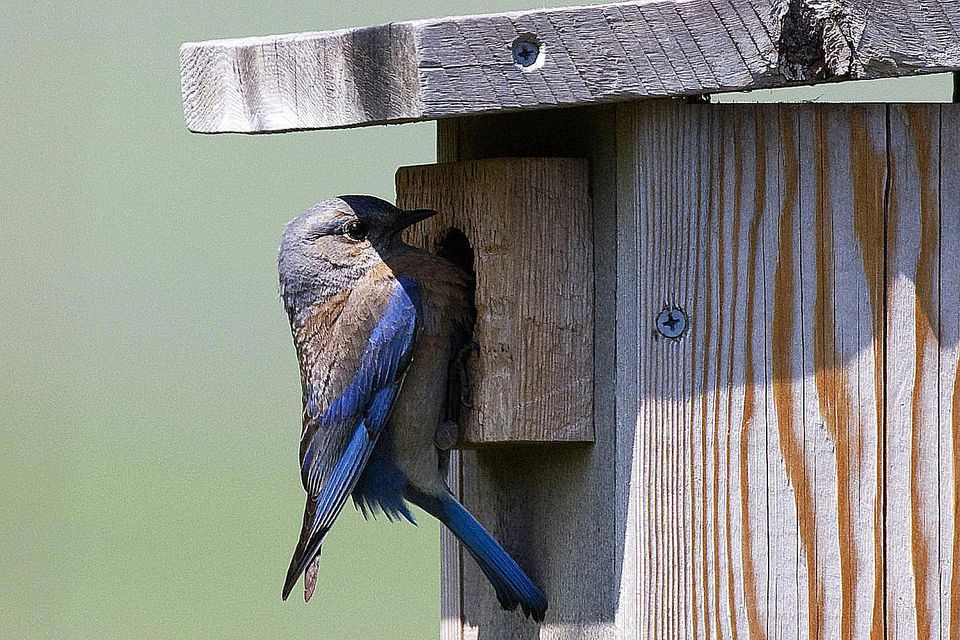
x=522 y=227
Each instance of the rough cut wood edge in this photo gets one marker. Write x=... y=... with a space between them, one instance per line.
x=431 y=69
x=451 y=553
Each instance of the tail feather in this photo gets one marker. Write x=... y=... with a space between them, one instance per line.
x=322 y=509
x=308 y=549
x=310 y=578
x=512 y=585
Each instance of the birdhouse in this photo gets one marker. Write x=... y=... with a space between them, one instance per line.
x=716 y=392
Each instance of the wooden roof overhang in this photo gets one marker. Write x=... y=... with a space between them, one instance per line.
x=430 y=69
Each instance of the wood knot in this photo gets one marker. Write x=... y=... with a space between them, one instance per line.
x=813 y=46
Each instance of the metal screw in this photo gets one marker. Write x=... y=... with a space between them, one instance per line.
x=672 y=323
x=526 y=51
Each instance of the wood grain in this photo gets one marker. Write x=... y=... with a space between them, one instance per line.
x=949 y=363
x=913 y=425
x=795 y=452
x=557 y=509
x=842 y=223
x=431 y=69
x=528 y=224
x=705 y=211
x=788 y=469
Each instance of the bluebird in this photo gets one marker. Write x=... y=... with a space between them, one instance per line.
x=378 y=327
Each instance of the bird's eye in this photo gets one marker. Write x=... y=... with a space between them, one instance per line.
x=356 y=230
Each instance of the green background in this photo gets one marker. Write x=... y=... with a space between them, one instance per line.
x=149 y=395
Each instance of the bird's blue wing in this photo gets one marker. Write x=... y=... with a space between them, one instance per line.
x=340 y=440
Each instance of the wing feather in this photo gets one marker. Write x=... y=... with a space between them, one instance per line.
x=339 y=441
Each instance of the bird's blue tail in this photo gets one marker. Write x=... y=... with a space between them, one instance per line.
x=512 y=585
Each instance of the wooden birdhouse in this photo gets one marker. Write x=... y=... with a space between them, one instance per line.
x=717 y=393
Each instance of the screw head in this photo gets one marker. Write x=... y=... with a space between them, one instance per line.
x=526 y=51
x=672 y=323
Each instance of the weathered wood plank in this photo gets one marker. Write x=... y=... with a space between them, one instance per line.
x=451 y=553
x=767 y=225
x=784 y=409
x=863 y=196
x=913 y=403
x=841 y=265
x=527 y=221
x=301 y=81
x=788 y=468
x=689 y=250
x=949 y=364
x=628 y=476
x=701 y=428
x=856 y=361
x=439 y=68
x=451 y=565
x=557 y=509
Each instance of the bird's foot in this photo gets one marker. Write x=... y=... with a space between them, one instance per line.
x=469 y=349
x=447 y=435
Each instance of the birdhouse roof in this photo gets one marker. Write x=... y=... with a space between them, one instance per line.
x=430 y=69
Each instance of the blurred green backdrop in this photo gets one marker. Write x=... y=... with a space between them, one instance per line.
x=149 y=401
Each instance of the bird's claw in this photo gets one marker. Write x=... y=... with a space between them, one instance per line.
x=471 y=348
x=448 y=432
x=465 y=401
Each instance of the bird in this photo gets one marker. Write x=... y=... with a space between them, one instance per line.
x=380 y=329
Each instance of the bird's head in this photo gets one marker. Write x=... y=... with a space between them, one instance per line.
x=331 y=245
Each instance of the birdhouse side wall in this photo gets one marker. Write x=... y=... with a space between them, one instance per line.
x=789 y=465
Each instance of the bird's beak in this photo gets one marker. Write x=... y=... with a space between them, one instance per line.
x=408 y=218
